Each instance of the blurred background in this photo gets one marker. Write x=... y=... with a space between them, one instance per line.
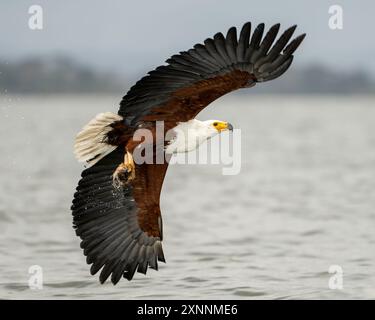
x=91 y=47
x=304 y=199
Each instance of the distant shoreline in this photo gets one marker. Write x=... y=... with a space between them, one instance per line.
x=64 y=75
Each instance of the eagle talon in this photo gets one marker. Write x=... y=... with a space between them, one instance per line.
x=125 y=172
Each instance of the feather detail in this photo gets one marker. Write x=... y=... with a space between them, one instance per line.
x=90 y=145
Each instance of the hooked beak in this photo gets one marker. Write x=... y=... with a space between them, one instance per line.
x=230 y=127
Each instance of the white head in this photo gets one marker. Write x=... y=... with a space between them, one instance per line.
x=190 y=134
x=214 y=127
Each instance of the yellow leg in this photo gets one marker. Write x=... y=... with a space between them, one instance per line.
x=125 y=172
x=129 y=164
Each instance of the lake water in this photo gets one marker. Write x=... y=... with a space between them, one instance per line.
x=303 y=201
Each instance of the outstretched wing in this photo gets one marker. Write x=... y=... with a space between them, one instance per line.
x=120 y=227
x=192 y=79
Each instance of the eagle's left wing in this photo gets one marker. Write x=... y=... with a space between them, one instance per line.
x=120 y=226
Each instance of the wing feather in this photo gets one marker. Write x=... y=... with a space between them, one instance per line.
x=231 y=44
x=220 y=45
x=243 y=42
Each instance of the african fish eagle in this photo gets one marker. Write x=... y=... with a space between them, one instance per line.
x=116 y=204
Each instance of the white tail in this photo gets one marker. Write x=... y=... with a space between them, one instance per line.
x=89 y=146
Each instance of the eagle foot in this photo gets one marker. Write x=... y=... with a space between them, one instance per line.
x=125 y=172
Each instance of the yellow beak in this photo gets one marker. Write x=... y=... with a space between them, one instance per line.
x=221 y=125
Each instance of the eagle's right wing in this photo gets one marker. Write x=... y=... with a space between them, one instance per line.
x=178 y=91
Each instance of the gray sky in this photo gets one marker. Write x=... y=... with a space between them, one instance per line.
x=133 y=37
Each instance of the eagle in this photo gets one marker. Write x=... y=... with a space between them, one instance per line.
x=115 y=208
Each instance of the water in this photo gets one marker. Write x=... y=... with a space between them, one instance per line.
x=304 y=200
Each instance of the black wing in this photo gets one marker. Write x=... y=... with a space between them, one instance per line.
x=120 y=227
x=194 y=78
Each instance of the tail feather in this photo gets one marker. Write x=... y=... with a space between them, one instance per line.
x=90 y=144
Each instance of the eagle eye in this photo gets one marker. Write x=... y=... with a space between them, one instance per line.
x=215 y=124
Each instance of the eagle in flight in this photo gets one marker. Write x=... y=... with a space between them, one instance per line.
x=116 y=204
